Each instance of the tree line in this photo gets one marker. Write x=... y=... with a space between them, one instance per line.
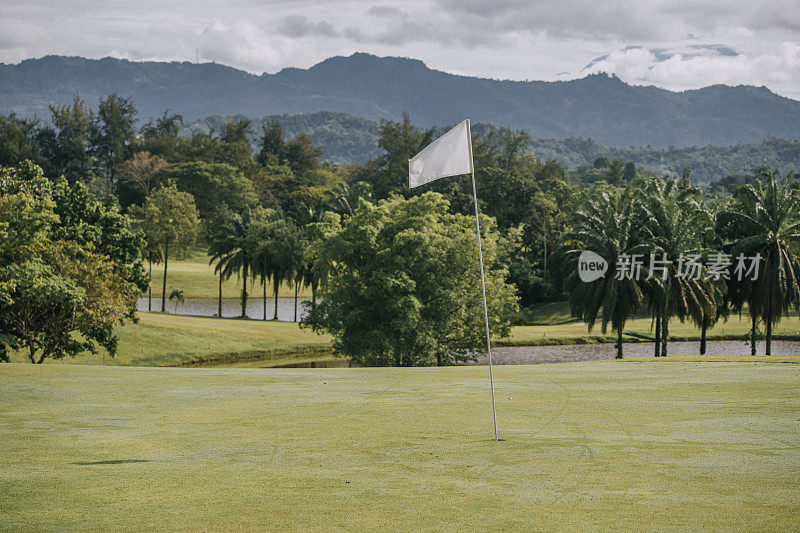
x=392 y=270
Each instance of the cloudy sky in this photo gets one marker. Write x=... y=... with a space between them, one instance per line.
x=676 y=44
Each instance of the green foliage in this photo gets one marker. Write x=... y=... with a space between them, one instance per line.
x=113 y=134
x=69 y=267
x=169 y=220
x=211 y=184
x=765 y=220
x=605 y=226
x=404 y=285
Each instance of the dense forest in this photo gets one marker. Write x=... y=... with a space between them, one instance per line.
x=347 y=139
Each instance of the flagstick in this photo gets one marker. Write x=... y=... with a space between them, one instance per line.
x=483 y=284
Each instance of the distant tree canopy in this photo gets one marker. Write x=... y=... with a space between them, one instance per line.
x=211 y=184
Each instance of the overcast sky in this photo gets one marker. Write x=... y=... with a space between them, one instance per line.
x=676 y=44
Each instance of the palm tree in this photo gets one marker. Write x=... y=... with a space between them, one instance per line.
x=178 y=296
x=153 y=254
x=231 y=246
x=670 y=224
x=763 y=222
x=604 y=226
x=344 y=197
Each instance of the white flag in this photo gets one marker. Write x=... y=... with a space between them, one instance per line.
x=449 y=155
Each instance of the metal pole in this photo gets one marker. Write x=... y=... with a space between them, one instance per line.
x=485 y=307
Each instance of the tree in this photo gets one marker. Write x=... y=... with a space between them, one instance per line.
x=62 y=291
x=20 y=139
x=512 y=146
x=68 y=148
x=169 y=219
x=211 y=184
x=235 y=144
x=278 y=254
x=113 y=134
x=604 y=226
x=160 y=136
x=400 y=141
x=272 y=147
x=179 y=297
x=141 y=171
x=302 y=155
x=232 y=245
x=764 y=221
x=404 y=285
x=670 y=224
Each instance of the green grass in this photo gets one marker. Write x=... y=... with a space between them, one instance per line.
x=166 y=340
x=588 y=446
x=163 y=339
x=640 y=329
x=196 y=279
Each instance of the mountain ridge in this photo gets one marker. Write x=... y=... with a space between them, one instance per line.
x=598 y=106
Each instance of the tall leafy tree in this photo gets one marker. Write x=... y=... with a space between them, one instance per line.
x=170 y=221
x=68 y=147
x=765 y=221
x=113 y=134
x=404 y=287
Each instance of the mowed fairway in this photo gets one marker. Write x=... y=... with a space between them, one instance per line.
x=611 y=444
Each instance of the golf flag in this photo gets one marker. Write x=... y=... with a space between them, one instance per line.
x=449 y=155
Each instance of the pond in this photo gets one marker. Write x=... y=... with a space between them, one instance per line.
x=231 y=307
x=526 y=355
x=532 y=355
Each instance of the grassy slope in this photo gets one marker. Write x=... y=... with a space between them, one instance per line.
x=196 y=279
x=554 y=331
x=164 y=339
x=603 y=445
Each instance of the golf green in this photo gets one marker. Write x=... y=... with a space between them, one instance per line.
x=629 y=445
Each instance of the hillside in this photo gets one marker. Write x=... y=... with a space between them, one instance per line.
x=597 y=107
x=345 y=138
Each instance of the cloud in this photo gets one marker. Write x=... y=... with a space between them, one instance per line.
x=676 y=44
x=301 y=26
x=713 y=64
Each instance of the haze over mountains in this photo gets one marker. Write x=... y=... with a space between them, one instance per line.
x=599 y=107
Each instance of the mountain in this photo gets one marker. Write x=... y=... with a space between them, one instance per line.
x=599 y=106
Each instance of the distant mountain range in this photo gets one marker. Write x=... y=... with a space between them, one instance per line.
x=598 y=107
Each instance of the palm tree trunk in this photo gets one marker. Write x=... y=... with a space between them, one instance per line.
x=313 y=296
x=703 y=330
x=768 y=325
x=219 y=310
x=264 y=287
x=164 y=281
x=296 y=284
x=277 y=284
x=664 y=335
x=658 y=335
x=619 y=343
x=244 y=295
x=753 y=334
x=150 y=285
